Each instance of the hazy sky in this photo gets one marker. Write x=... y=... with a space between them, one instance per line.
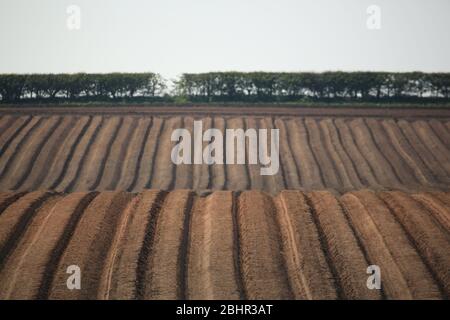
x=176 y=36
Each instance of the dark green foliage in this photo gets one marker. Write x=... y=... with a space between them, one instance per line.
x=82 y=86
x=334 y=86
x=229 y=87
x=12 y=86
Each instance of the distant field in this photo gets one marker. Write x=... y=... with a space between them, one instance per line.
x=85 y=150
x=261 y=109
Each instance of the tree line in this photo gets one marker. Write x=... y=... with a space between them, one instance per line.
x=227 y=86
x=19 y=87
x=269 y=86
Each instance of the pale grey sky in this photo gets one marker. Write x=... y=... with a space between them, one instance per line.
x=176 y=36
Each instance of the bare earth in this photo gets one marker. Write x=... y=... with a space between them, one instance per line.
x=227 y=245
x=101 y=152
x=96 y=188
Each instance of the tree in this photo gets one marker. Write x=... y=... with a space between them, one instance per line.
x=12 y=86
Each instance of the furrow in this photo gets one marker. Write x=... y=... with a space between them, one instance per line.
x=438 y=210
x=55 y=174
x=116 y=156
x=77 y=159
x=394 y=285
x=211 y=270
x=25 y=161
x=102 y=156
x=290 y=168
x=128 y=279
x=342 y=246
x=89 y=171
x=202 y=179
x=218 y=171
x=165 y=275
x=304 y=158
x=134 y=155
x=108 y=275
x=237 y=174
x=7 y=121
x=407 y=152
x=183 y=173
x=401 y=167
x=163 y=172
x=417 y=275
x=326 y=165
x=438 y=171
x=56 y=236
x=14 y=150
x=39 y=167
x=329 y=145
x=256 y=181
x=10 y=133
x=308 y=270
x=90 y=247
x=8 y=198
x=15 y=219
x=432 y=243
x=23 y=270
x=273 y=183
x=433 y=144
x=440 y=131
x=381 y=167
x=263 y=267
x=365 y=171
x=348 y=164
x=146 y=164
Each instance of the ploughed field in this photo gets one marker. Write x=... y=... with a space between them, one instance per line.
x=226 y=245
x=96 y=188
x=124 y=152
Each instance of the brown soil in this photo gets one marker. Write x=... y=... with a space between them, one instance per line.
x=130 y=153
x=96 y=188
x=158 y=245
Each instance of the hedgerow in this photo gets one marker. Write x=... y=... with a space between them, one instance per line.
x=228 y=87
